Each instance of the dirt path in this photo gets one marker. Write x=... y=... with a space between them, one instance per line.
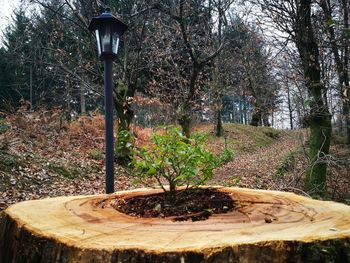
x=258 y=169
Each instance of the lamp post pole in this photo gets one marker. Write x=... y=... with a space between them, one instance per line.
x=108 y=29
x=109 y=144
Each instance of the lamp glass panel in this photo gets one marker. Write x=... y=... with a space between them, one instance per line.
x=98 y=41
x=115 y=43
x=106 y=39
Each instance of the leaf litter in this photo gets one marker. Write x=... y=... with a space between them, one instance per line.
x=42 y=155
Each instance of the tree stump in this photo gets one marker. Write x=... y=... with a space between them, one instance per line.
x=267 y=226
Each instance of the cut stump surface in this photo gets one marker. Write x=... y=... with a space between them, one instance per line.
x=266 y=226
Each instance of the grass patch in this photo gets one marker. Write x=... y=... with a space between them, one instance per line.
x=246 y=138
x=287 y=164
x=338 y=139
x=96 y=154
x=272 y=133
x=241 y=138
x=4 y=126
x=8 y=162
x=69 y=173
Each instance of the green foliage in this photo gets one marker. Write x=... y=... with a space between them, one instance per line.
x=258 y=137
x=272 y=133
x=69 y=173
x=4 y=126
x=44 y=49
x=225 y=156
x=124 y=147
x=14 y=61
x=338 y=139
x=125 y=140
x=347 y=32
x=176 y=159
x=320 y=134
x=96 y=154
x=332 y=22
x=287 y=164
x=8 y=161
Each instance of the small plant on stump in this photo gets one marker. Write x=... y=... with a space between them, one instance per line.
x=175 y=160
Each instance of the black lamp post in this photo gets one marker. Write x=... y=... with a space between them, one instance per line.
x=108 y=30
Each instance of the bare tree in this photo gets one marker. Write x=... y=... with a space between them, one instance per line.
x=339 y=45
x=191 y=24
x=293 y=17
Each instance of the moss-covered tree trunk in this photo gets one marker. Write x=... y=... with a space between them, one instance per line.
x=319 y=119
x=184 y=118
x=320 y=133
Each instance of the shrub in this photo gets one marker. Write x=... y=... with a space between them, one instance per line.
x=96 y=154
x=338 y=139
x=287 y=164
x=176 y=160
x=272 y=133
x=69 y=173
x=4 y=126
x=8 y=162
x=124 y=147
x=225 y=156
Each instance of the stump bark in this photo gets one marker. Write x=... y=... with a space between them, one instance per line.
x=267 y=226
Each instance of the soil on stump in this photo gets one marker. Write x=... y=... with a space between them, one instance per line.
x=194 y=205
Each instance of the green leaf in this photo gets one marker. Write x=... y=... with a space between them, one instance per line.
x=177 y=159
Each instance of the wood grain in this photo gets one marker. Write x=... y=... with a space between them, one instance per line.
x=268 y=226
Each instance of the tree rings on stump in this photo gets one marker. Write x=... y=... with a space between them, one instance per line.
x=265 y=226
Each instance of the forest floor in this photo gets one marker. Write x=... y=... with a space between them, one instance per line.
x=41 y=156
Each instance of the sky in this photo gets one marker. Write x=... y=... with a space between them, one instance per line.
x=6 y=10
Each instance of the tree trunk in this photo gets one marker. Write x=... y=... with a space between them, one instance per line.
x=218 y=85
x=184 y=114
x=290 y=110
x=265 y=119
x=319 y=119
x=346 y=114
x=266 y=226
x=345 y=73
x=31 y=88
x=124 y=113
x=272 y=119
x=245 y=109
x=256 y=117
x=184 y=118
x=241 y=115
x=82 y=97
x=219 y=127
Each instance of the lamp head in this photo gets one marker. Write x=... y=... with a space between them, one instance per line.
x=108 y=30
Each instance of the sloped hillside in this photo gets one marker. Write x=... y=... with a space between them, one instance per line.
x=42 y=155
